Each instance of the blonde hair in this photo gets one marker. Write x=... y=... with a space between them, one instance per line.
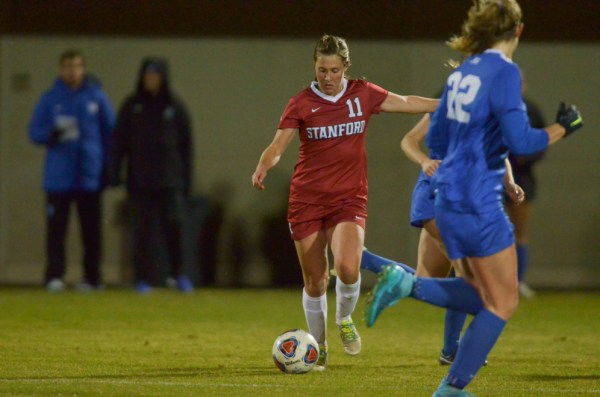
x=488 y=22
x=333 y=45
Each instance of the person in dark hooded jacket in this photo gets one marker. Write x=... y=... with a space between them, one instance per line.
x=153 y=137
x=73 y=120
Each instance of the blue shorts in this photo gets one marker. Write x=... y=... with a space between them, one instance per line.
x=474 y=235
x=421 y=206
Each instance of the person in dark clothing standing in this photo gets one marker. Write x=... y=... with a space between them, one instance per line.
x=153 y=136
x=73 y=120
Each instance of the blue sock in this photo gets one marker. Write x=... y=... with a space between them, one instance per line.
x=522 y=251
x=451 y=293
x=476 y=344
x=374 y=263
x=453 y=324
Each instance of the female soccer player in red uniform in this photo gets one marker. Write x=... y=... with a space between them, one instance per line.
x=328 y=194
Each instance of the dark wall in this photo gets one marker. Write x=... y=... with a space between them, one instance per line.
x=545 y=20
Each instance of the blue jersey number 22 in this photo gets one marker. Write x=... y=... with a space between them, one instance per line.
x=462 y=92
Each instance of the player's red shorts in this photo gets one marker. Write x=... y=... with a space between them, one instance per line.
x=305 y=219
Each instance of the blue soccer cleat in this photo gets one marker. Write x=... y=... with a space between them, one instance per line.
x=143 y=287
x=184 y=284
x=394 y=284
x=445 y=390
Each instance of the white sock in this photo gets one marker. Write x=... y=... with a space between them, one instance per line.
x=346 y=298
x=315 y=310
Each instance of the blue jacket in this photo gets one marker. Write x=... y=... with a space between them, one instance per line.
x=78 y=164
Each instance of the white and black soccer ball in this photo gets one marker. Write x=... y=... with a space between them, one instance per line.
x=295 y=352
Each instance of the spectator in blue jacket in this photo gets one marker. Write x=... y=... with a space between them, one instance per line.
x=73 y=120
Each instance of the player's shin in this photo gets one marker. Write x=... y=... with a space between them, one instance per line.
x=315 y=310
x=451 y=293
x=375 y=263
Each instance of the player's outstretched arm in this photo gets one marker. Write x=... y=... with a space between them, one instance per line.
x=271 y=155
x=411 y=148
x=395 y=103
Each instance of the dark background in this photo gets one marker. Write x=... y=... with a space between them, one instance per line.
x=545 y=20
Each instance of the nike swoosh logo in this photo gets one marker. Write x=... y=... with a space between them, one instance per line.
x=573 y=124
x=314 y=110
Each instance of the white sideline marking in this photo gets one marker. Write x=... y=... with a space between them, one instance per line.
x=243 y=385
x=134 y=382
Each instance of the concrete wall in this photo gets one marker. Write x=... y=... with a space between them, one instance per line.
x=236 y=90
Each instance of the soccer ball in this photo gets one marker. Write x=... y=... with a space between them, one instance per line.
x=295 y=352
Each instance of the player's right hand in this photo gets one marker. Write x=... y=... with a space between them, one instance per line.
x=430 y=166
x=569 y=117
x=54 y=136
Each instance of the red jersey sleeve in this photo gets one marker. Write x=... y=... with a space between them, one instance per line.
x=290 y=117
x=377 y=95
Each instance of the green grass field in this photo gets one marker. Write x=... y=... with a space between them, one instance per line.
x=218 y=343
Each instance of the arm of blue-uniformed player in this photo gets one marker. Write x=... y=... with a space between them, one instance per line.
x=514 y=191
x=569 y=118
x=411 y=147
x=395 y=103
x=521 y=139
x=507 y=104
x=271 y=155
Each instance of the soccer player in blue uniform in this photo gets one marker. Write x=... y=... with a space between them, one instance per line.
x=432 y=260
x=480 y=118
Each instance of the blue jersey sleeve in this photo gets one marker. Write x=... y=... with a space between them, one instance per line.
x=41 y=123
x=508 y=106
x=437 y=138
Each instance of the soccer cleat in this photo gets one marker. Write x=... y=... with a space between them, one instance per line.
x=56 y=285
x=322 y=361
x=350 y=337
x=170 y=283
x=445 y=390
x=394 y=284
x=449 y=359
x=184 y=284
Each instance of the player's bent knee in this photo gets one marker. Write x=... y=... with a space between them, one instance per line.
x=348 y=274
x=506 y=308
x=316 y=286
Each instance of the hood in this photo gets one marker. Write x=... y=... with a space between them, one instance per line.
x=159 y=65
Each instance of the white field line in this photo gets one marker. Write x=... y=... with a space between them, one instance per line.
x=249 y=385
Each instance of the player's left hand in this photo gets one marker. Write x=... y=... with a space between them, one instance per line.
x=515 y=192
x=257 y=179
x=569 y=117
